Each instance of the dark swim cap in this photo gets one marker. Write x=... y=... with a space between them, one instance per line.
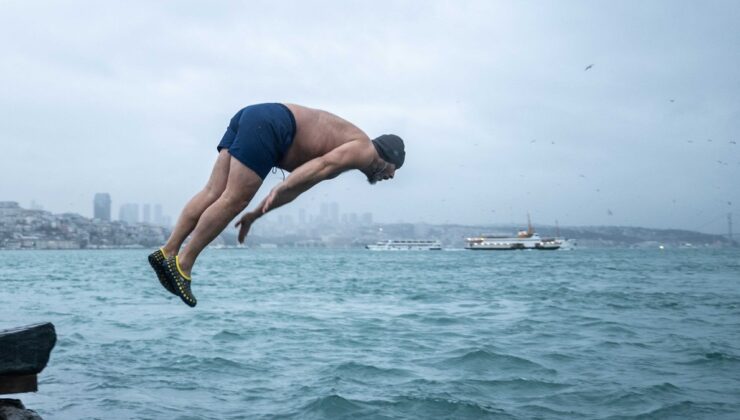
x=390 y=148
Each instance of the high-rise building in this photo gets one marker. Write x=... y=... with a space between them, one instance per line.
x=367 y=218
x=285 y=220
x=101 y=206
x=158 y=220
x=353 y=219
x=324 y=212
x=36 y=206
x=334 y=212
x=146 y=213
x=129 y=213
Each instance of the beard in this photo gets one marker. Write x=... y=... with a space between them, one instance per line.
x=375 y=177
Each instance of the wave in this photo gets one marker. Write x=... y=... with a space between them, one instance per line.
x=714 y=358
x=518 y=385
x=690 y=409
x=219 y=365
x=616 y=344
x=335 y=406
x=226 y=335
x=331 y=406
x=644 y=395
x=428 y=407
x=485 y=361
x=363 y=371
x=542 y=412
x=444 y=320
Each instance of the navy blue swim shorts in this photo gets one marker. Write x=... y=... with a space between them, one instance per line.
x=259 y=135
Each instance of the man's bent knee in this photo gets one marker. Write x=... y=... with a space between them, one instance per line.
x=212 y=194
x=236 y=202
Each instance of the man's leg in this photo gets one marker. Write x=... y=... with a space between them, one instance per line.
x=199 y=203
x=241 y=186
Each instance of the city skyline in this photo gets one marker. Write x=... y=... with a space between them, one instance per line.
x=38 y=229
x=136 y=212
x=299 y=215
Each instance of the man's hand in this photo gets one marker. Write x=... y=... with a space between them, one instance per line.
x=245 y=223
x=269 y=201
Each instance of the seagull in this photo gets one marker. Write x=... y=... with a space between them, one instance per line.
x=709 y=140
x=582 y=175
x=533 y=141
x=690 y=141
x=609 y=212
x=552 y=142
x=733 y=142
x=588 y=67
x=673 y=100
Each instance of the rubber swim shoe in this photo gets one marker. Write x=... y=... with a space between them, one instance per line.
x=179 y=281
x=158 y=261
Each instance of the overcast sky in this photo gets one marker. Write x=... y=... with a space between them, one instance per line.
x=499 y=115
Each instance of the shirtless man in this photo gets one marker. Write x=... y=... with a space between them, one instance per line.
x=313 y=145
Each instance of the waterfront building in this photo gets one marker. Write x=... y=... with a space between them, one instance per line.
x=101 y=206
x=146 y=213
x=158 y=219
x=129 y=213
x=334 y=212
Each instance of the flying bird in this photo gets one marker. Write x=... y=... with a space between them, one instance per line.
x=582 y=175
x=588 y=67
x=609 y=212
x=673 y=100
x=533 y=141
x=733 y=142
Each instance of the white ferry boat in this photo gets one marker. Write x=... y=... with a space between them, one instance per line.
x=405 y=245
x=525 y=239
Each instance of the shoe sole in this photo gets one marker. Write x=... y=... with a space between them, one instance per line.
x=161 y=276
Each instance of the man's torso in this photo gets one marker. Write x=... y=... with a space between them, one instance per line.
x=317 y=133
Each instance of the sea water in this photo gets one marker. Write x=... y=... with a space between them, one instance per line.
x=315 y=334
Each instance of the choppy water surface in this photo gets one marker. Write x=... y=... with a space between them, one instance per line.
x=357 y=334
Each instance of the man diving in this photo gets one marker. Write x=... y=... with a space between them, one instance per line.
x=312 y=144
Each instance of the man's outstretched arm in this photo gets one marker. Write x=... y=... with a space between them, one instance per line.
x=357 y=154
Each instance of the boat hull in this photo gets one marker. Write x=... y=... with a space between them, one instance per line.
x=512 y=244
x=405 y=245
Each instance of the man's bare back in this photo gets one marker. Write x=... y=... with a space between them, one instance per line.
x=317 y=133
